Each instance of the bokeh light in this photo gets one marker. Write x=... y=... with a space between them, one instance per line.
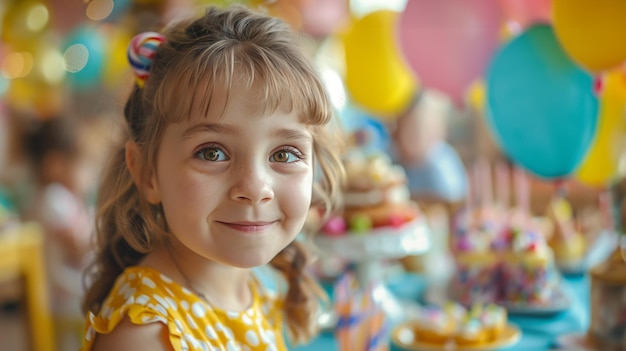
x=52 y=66
x=75 y=58
x=17 y=64
x=37 y=18
x=98 y=10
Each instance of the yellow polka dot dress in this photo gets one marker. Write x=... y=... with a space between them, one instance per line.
x=145 y=295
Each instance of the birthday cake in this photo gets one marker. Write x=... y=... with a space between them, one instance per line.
x=503 y=263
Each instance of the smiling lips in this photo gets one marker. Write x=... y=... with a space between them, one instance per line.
x=249 y=227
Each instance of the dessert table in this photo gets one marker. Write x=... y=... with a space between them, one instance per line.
x=539 y=331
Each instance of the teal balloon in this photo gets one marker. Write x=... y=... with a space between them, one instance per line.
x=541 y=106
x=86 y=64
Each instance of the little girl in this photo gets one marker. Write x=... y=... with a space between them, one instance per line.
x=228 y=147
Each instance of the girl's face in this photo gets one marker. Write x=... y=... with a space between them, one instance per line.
x=235 y=185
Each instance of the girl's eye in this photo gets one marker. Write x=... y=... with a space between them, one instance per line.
x=212 y=154
x=286 y=156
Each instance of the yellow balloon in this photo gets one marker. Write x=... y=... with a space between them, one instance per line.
x=21 y=94
x=591 y=32
x=377 y=77
x=116 y=67
x=601 y=163
x=24 y=20
x=32 y=96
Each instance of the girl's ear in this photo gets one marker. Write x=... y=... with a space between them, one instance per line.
x=144 y=178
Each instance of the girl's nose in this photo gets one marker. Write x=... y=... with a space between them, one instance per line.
x=252 y=184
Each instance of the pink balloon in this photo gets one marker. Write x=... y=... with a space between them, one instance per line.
x=449 y=43
x=527 y=12
x=323 y=17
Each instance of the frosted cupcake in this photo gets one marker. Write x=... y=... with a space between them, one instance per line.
x=494 y=320
x=434 y=326
x=471 y=333
x=476 y=275
x=529 y=274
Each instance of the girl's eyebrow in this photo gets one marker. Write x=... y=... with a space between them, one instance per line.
x=209 y=128
x=214 y=128
x=292 y=134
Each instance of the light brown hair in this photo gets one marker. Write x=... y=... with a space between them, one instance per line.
x=222 y=48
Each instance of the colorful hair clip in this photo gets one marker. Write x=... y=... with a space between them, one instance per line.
x=141 y=52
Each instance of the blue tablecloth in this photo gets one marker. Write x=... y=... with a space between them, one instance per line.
x=538 y=332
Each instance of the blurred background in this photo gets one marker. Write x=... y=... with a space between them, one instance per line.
x=449 y=89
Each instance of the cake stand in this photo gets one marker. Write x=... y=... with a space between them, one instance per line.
x=369 y=250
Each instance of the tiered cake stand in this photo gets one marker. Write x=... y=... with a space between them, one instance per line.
x=368 y=251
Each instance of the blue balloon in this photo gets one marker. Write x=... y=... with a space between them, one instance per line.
x=87 y=63
x=541 y=106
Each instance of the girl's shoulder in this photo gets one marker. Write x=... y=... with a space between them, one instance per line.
x=142 y=296
x=130 y=336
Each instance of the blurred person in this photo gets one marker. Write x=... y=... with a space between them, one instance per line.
x=64 y=167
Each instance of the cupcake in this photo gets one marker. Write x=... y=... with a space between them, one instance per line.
x=494 y=320
x=471 y=333
x=434 y=326
x=529 y=272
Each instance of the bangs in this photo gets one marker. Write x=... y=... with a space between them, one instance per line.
x=236 y=67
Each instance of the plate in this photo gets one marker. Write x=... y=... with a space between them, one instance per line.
x=411 y=238
x=574 y=342
x=403 y=337
x=559 y=302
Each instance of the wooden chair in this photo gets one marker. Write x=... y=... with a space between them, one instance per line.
x=22 y=255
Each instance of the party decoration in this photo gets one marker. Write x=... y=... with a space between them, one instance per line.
x=601 y=164
x=525 y=13
x=591 y=32
x=448 y=43
x=377 y=77
x=85 y=56
x=540 y=104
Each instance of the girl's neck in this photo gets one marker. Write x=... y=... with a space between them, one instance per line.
x=221 y=286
